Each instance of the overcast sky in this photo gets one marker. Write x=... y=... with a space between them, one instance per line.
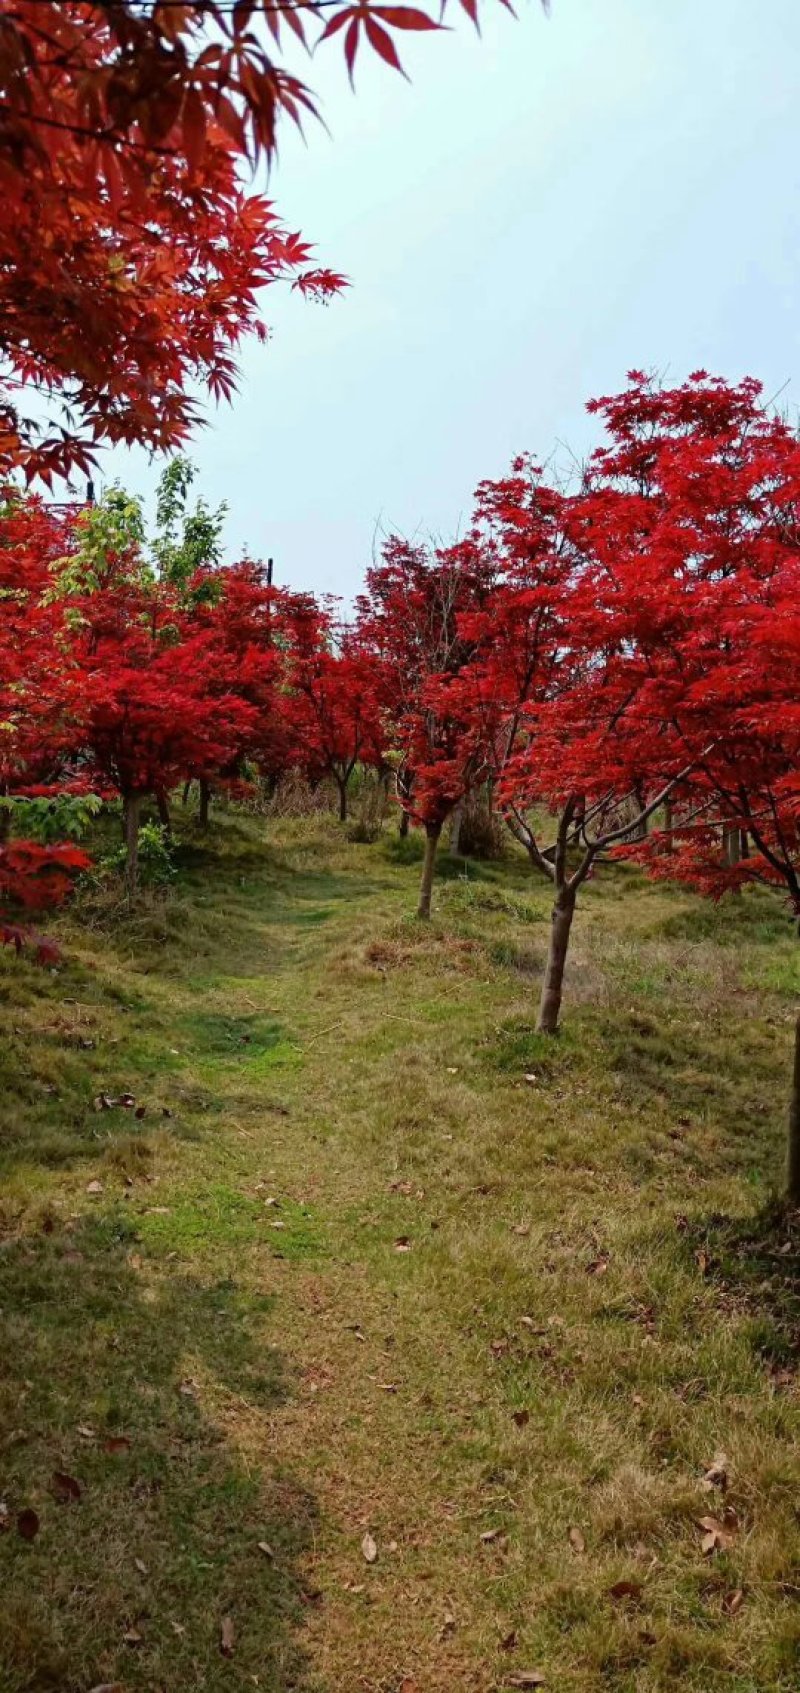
x=535 y=213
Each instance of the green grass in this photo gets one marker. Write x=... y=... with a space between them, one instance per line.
x=376 y=1257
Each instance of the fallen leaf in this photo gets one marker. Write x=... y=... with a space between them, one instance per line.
x=448 y=1626
x=226 y=1637
x=408 y=1685
x=625 y=1590
x=94 y=1187
x=3 y=1516
x=733 y=1602
x=500 y=1347
x=531 y=1076
x=402 y=1243
x=141 y=1566
x=597 y=1267
x=717 y=1536
x=638 y=1401
x=509 y=1641
x=65 y=1487
x=264 y=1546
x=522 y=1229
x=108 y=1687
x=27 y=1524
x=527 y=1678
x=178 y=1627
x=132 y=1637
x=369 y=1549
x=717 y=1474
x=576 y=1540
x=702 y=1261
x=117 y=1443
x=85 y=1432
x=491 y=1534
x=521 y=1418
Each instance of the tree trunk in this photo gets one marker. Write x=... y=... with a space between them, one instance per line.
x=669 y=840
x=732 y=843
x=455 y=828
x=342 y=786
x=205 y=801
x=131 y=806
x=643 y=823
x=561 y=923
x=163 y=810
x=187 y=788
x=404 y=824
x=432 y=833
x=793 y=1161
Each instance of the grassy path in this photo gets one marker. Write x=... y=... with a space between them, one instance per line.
x=376 y=1262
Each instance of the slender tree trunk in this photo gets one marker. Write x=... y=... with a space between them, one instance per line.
x=187 y=788
x=643 y=824
x=793 y=1160
x=455 y=827
x=732 y=843
x=404 y=824
x=432 y=833
x=131 y=807
x=342 y=786
x=205 y=801
x=561 y=923
x=163 y=810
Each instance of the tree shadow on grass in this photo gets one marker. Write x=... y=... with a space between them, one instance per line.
x=151 y=1390
x=754 y=1265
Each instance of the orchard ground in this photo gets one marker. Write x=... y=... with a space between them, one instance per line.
x=378 y=1264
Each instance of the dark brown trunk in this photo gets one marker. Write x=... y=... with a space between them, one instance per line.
x=131 y=807
x=643 y=823
x=432 y=833
x=793 y=1159
x=561 y=923
x=163 y=810
x=205 y=801
x=404 y=825
x=455 y=828
x=187 y=788
x=342 y=786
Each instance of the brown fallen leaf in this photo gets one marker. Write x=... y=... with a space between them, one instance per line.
x=703 y=1262
x=226 y=1637
x=521 y=1418
x=509 y=1641
x=108 y=1687
x=526 y=1678
x=402 y=1243
x=140 y=1566
x=625 y=1590
x=264 y=1546
x=717 y=1474
x=522 y=1229
x=408 y=1685
x=117 y=1443
x=94 y=1187
x=132 y=1637
x=597 y=1267
x=576 y=1540
x=369 y=1549
x=27 y=1524
x=490 y=1535
x=65 y=1487
x=733 y=1602
x=85 y=1432
x=717 y=1536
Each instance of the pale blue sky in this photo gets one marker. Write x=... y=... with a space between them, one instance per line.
x=536 y=212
